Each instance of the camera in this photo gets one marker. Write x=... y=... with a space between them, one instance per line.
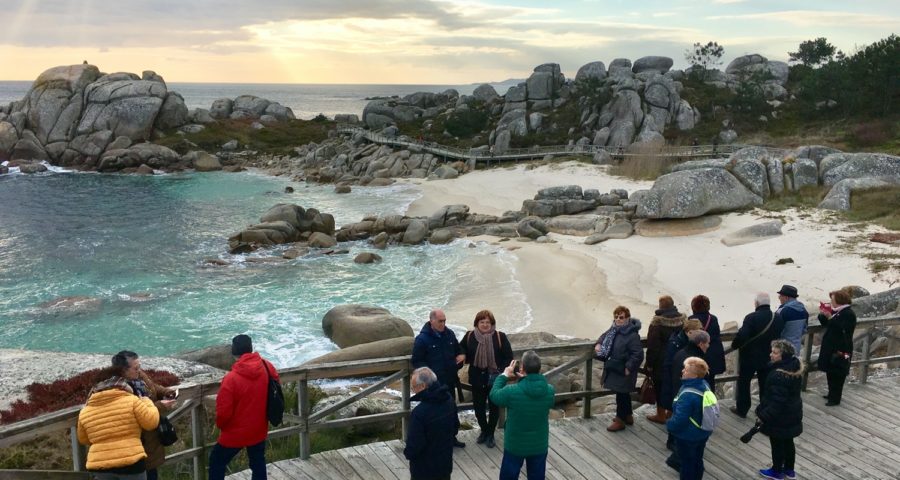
x=745 y=438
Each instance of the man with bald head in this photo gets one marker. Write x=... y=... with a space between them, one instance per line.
x=437 y=348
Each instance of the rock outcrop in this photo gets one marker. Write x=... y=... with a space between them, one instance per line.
x=283 y=223
x=352 y=324
x=692 y=193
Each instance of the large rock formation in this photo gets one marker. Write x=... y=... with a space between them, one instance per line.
x=283 y=223
x=352 y=324
x=692 y=193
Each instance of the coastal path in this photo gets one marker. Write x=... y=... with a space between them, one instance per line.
x=858 y=440
x=481 y=155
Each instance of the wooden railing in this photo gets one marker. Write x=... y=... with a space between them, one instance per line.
x=536 y=152
x=301 y=421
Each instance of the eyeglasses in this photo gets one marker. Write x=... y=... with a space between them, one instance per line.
x=620 y=316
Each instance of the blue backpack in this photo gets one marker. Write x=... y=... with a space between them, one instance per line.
x=710 y=409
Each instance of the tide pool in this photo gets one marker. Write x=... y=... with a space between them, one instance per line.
x=138 y=244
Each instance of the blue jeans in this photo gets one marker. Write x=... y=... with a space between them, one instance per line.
x=691 y=456
x=220 y=456
x=536 y=466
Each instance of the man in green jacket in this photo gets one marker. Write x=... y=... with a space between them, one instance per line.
x=528 y=403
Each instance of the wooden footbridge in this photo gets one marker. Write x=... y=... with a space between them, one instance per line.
x=858 y=440
x=482 y=155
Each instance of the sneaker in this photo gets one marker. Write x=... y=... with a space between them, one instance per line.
x=790 y=475
x=490 y=442
x=481 y=438
x=772 y=474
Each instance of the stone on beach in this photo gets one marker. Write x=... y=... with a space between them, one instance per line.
x=753 y=233
x=353 y=324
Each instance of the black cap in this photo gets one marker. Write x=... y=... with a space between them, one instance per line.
x=241 y=344
x=788 y=291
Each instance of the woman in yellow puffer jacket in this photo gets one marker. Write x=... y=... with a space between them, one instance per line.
x=111 y=423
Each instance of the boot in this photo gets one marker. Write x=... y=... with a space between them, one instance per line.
x=629 y=420
x=660 y=416
x=616 y=425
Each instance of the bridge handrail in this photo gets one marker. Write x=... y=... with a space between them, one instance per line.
x=481 y=155
x=396 y=368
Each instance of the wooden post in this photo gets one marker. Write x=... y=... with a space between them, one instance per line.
x=588 y=377
x=807 y=357
x=404 y=404
x=198 y=438
x=867 y=346
x=77 y=451
x=303 y=411
x=737 y=371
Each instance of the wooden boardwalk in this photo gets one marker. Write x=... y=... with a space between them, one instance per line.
x=858 y=440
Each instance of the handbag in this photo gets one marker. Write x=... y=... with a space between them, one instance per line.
x=648 y=391
x=167 y=434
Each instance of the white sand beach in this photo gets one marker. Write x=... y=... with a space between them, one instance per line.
x=570 y=288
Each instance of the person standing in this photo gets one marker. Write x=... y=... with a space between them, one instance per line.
x=111 y=423
x=687 y=414
x=488 y=352
x=619 y=348
x=241 y=411
x=752 y=342
x=667 y=321
x=527 y=432
x=142 y=386
x=436 y=347
x=667 y=388
x=794 y=314
x=433 y=426
x=836 y=351
x=780 y=413
x=715 y=355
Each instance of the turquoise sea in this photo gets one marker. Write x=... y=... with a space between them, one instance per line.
x=138 y=244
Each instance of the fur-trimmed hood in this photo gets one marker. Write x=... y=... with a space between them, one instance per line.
x=669 y=321
x=790 y=367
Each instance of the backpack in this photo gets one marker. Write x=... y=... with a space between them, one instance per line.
x=709 y=409
x=274 y=400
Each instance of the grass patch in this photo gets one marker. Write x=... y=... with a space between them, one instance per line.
x=645 y=165
x=808 y=197
x=880 y=206
x=276 y=138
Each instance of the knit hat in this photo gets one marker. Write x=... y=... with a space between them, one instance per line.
x=241 y=344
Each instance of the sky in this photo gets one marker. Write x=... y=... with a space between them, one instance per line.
x=409 y=41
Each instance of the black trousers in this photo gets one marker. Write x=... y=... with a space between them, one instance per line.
x=783 y=453
x=745 y=375
x=623 y=405
x=486 y=412
x=836 y=380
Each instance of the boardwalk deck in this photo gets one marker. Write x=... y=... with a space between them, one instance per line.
x=858 y=440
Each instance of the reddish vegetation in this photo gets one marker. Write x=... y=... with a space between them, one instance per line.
x=889 y=238
x=50 y=397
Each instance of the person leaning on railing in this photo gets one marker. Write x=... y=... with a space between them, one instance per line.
x=111 y=423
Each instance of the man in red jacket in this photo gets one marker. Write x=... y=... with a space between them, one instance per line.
x=241 y=411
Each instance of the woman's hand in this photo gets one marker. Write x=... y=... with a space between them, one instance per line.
x=597 y=348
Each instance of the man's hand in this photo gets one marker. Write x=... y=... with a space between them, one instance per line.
x=168 y=403
x=510 y=371
x=460 y=359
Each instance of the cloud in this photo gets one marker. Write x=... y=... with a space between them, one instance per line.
x=814 y=18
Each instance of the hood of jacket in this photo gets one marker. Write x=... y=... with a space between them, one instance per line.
x=435 y=393
x=669 y=321
x=633 y=325
x=249 y=366
x=789 y=367
x=534 y=385
x=794 y=305
x=105 y=397
x=696 y=383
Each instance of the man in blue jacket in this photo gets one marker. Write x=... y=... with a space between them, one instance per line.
x=687 y=416
x=437 y=348
x=794 y=314
x=433 y=425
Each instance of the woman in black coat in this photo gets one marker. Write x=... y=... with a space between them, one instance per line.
x=488 y=352
x=667 y=321
x=715 y=355
x=621 y=351
x=837 y=343
x=780 y=411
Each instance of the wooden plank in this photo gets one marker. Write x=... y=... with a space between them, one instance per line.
x=361 y=464
x=327 y=468
x=483 y=466
x=43 y=475
x=374 y=460
x=340 y=464
x=574 y=461
x=590 y=433
x=397 y=464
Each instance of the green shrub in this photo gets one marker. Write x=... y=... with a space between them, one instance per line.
x=466 y=122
